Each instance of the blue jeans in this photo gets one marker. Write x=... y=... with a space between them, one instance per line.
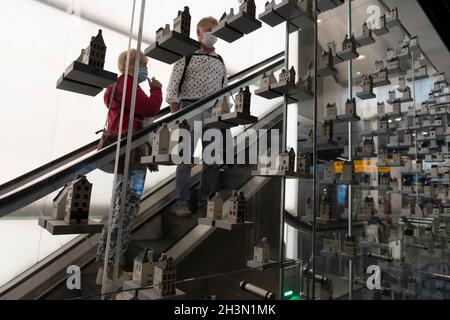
x=210 y=173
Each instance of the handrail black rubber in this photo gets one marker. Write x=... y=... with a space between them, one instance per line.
x=28 y=177
x=31 y=193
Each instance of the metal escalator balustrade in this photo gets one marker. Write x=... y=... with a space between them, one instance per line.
x=39 y=189
x=41 y=171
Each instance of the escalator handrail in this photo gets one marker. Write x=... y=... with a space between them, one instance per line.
x=18 y=182
x=39 y=189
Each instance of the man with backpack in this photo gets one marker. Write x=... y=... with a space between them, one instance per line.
x=194 y=78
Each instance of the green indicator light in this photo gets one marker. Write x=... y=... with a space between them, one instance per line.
x=288 y=293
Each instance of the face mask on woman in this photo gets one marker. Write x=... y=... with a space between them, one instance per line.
x=209 y=40
x=142 y=74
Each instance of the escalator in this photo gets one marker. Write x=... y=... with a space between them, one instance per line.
x=155 y=227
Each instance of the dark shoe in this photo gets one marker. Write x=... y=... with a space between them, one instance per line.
x=183 y=211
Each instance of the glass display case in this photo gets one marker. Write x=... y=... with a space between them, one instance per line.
x=335 y=186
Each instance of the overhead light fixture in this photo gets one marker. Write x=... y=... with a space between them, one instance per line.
x=319 y=20
x=361 y=57
x=358 y=73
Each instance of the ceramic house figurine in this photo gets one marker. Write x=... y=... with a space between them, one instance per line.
x=326 y=208
x=407 y=93
x=59 y=204
x=94 y=55
x=215 y=207
x=182 y=23
x=78 y=201
x=397 y=107
x=379 y=65
x=368 y=146
x=162 y=32
x=226 y=17
x=393 y=140
x=327 y=130
x=401 y=83
x=424 y=107
x=406 y=186
x=384 y=180
x=351 y=247
x=287 y=161
x=349 y=44
x=329 y=172
x=383 y=123
x=434 y=171
x=396 y=157
x=161 y=141
x=326 y=60
x=426 y=121
x=436 y=210
x=445 y=208
x=441 y=77
x=331 y=244
x=381 y=108
x=261 y=252
x=381 y=155
x=267 y=81
x=305 y=83
x=418 y=210
x=447 y=176
x=392 y=95
x=382 y=75
x=331 y=110
x=392 y=15
x=390 y=54
x=367 y=84
x=350 y=106
x=347 y=171
x=288 y=76
x=143 y=268
x=437 y=121
x=236 y=207
x=165 y=276
x=243 y=101
x=304 y=163
x=270 y=5
x=433 y=133
x=431 y=99
x=413 y=42
x=428 y=189
x=393 y=64
x=416 y=121
x=221 y=107
x=368 y=207
x=366 y=31
x=248 y=7
x=417 y=166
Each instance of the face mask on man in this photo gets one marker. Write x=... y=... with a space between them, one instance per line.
x=142 y=74
x=209 y=40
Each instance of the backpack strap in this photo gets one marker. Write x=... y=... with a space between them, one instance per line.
x=186 y=65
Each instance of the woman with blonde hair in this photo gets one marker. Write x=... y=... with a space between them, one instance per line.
x=146 y=106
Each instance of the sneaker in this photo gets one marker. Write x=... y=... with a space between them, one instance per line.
x=183 y=211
